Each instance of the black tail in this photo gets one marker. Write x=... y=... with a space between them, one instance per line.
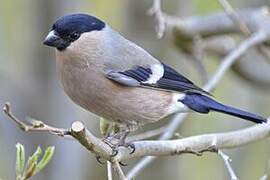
x=204 y=104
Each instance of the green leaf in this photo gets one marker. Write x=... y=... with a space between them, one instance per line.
x=45 y=159
x=36 y=155
x=30 y=169
x=20 y=159
x=32 y=163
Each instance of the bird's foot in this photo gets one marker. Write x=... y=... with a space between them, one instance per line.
x=117 y=140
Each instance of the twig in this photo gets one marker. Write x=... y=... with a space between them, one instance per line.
x=155 y=11
x=77 y=131
x=117 y=168
x=109 y=170
x=253 y=40
x=219 y=23
x=35 y=126
x=140 y=166
x=227 y=161
x=241 y=24
x=235 y=17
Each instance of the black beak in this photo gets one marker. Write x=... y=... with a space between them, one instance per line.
x=53 y=39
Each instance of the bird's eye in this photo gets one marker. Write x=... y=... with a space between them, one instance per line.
x=74 y=36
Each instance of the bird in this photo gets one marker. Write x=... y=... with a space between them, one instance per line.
x=112 y=77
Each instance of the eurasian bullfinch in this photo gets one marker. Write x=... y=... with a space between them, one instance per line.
x=114 y=78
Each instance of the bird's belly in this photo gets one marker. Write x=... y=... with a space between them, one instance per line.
x=113 y=101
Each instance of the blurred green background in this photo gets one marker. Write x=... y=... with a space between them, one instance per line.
x=29 y=81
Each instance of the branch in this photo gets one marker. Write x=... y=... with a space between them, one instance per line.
x=77 y=131
x=155 y=11
x=35 y=126
x=220 y=23
x=197 y=144
x=235 y=17
x=227 y=161
x=254 y=40
x=109 y=170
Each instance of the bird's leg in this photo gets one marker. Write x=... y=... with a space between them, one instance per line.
x=118 y=139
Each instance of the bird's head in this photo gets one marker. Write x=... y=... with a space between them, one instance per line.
x=68 y=29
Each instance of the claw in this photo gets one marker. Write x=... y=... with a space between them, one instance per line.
x=114 y=152
x=98 y=158
x=132 y=147
x=122 y=164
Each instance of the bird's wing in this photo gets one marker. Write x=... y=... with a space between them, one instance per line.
x=157 y=76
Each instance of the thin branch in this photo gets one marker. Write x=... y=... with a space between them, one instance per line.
x=35 y=125
x=227 y=161
x=241 y=24
x=155 y=11
x=117 y=168
x=109 y=170
x=140 y=166
x=254 y=40
x=235 y=17
x=219 y=23
x=77 y=131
